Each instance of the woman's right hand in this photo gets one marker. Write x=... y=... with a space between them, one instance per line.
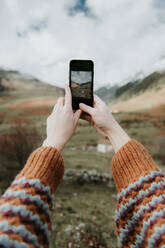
x=102 y=119
x=99 y=116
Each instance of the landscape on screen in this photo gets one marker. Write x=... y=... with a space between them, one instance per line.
x=81 y=83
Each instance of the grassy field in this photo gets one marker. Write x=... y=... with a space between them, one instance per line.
x=84 y=211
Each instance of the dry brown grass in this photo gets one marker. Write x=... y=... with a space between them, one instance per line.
x=147 y=100
x=36 y=111
x=31 y=103
x=2 y=116
x=17 y=145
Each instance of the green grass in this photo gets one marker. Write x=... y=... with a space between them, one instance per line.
x=85 y=134
x=89 y=206
x=85 y=212
x=87 y=160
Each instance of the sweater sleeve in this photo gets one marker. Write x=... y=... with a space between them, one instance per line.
x=26 y=206
x=140 y=213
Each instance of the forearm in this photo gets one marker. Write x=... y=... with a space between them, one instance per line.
x=25 y=208
x=45 y=164
x=117 y=136
x=131 y=162
x=141 y=197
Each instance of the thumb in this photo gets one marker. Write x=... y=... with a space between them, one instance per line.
x=86 y=108
x=77 y=116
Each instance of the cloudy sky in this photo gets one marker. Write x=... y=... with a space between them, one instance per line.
x=124 y=38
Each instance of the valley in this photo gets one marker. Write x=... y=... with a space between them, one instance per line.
x=84 y=204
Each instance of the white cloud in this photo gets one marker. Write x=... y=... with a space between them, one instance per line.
x=122 y=37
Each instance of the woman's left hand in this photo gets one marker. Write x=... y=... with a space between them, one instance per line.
x=62 y=122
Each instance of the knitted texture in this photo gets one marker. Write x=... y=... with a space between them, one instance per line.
x=140 y=213
x=26 y=206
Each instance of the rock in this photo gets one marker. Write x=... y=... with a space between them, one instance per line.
x=70 y=245
x=70 y=210
x=81 y=225
x=68 y=228
x=89 y=176
x=77 y=237
x=57 y=205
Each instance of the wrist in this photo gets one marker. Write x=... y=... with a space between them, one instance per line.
x=59 y=146
x=117 y=136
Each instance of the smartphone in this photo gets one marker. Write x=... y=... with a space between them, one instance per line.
x=81 y=74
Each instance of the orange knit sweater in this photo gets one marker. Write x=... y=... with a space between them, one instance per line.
x=26 y=206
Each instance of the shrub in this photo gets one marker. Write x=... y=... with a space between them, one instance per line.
x=15 y=149
x=159 y=148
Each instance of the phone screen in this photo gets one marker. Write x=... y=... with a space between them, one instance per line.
x=81 y=84
x=81 y=73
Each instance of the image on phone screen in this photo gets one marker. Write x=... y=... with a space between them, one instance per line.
x=81 y=84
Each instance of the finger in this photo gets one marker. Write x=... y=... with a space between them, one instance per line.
x=92 y=123
x=68 y=97
x=77 y=116
x=100 y=132
x=85 y=117
x=55 y=106
x=98 y=101
x=97 y=98
x=59 y=103
x=87 y=109
x=88 y=118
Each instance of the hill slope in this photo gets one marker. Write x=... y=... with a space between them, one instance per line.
x=14 y=80
x=107 y=93
x=154 y=81
x=146 y=93
x=19 y=92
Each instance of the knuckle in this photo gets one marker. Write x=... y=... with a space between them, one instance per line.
x=68 y=108
x=95 y=112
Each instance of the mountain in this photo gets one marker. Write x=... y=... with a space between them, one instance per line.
x=11 y=80
x=74 y=84
x=23 y=95
x=107 y=93
x=153 y=81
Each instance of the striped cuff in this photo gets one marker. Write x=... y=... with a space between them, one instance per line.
x=45 y=164
x=131 y=162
